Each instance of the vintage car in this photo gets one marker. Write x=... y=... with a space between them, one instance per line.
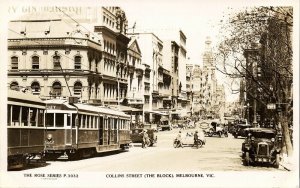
x=136 y=136
x=239 y=130
x=187 y=140
x=216 y=128
x=262 y=145
x=165 y=124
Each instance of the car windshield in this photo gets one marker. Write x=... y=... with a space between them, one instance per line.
x=263 y=135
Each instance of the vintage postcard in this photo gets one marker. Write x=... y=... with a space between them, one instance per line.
x=149 y=93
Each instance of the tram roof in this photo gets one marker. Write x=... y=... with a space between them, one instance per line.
x=100 y=109
x=21 y=97
x=88 y=107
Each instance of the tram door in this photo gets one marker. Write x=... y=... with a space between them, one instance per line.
x=68 y=129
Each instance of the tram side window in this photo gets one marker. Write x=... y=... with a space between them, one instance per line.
x=33 y=117
x=88 y=121
x=92 y=121
x=25 y=113
x=50 y=120
x=121 y=124
x=41 y=118
x=79 y=120
x=59 y=120
x=74 y=120
x=16 y=110
x=68 y=119
x=115 y=123
x=8 y=115
x=83 y=121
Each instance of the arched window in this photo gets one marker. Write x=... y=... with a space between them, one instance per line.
x=77 y=88
x=14 y=86
x=56 y=62
x=35 y=88
x=14 y=63
x=77 y=63
x=56 y=88
x=35 y=62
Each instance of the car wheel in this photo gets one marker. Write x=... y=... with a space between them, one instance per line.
x=277 y=161
x=235 y=136
x=246 y=159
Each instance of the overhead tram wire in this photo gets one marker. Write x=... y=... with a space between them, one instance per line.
x=78 y=23
x=57 y=53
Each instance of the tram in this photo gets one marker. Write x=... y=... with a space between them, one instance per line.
x=79 y=130
x=25 y=129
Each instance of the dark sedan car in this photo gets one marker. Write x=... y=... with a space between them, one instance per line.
x=239 y=130
x=262 y=145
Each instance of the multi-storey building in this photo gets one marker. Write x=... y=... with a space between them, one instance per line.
x=57 y=56
x=170 y=62
x=196 y=80
x=136 y=84
x=155 y=87
x=189 y=86
x=176 y=60
x=209 y=82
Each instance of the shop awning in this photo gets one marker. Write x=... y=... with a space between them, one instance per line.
x=157 y=112
x=128 y=109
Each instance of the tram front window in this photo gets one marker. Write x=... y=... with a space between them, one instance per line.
x=59 y=120
x=50 y=120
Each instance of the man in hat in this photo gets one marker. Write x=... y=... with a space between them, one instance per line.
x=145 y=139
x=179 y=139
x=196 y=137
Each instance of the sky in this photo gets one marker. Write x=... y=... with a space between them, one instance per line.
x=197 y=20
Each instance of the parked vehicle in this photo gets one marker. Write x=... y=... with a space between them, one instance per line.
x=216 y=129
x=262 y=145
x=239 y=130
x=165 y=124
x=82 y=130
x=25 y=129
x=136 y=136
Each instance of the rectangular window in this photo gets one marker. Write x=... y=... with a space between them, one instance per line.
x=74 y=119
x=77 y=63
x=35 y=62
x=25 y=115
x=59 y=120
x=56 y=62
x=33 y=117
x=41 y=118
x=83 y=121
x=88 y=121
x=14 y=63
x=9 y=115
x=49 y=120
x=92 y=121
x=68 y=119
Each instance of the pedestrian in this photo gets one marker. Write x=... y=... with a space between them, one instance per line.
x=179 y=140
x=145 y=139
x=196 y=138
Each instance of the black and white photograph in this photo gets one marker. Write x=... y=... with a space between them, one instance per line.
x=149 y=93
